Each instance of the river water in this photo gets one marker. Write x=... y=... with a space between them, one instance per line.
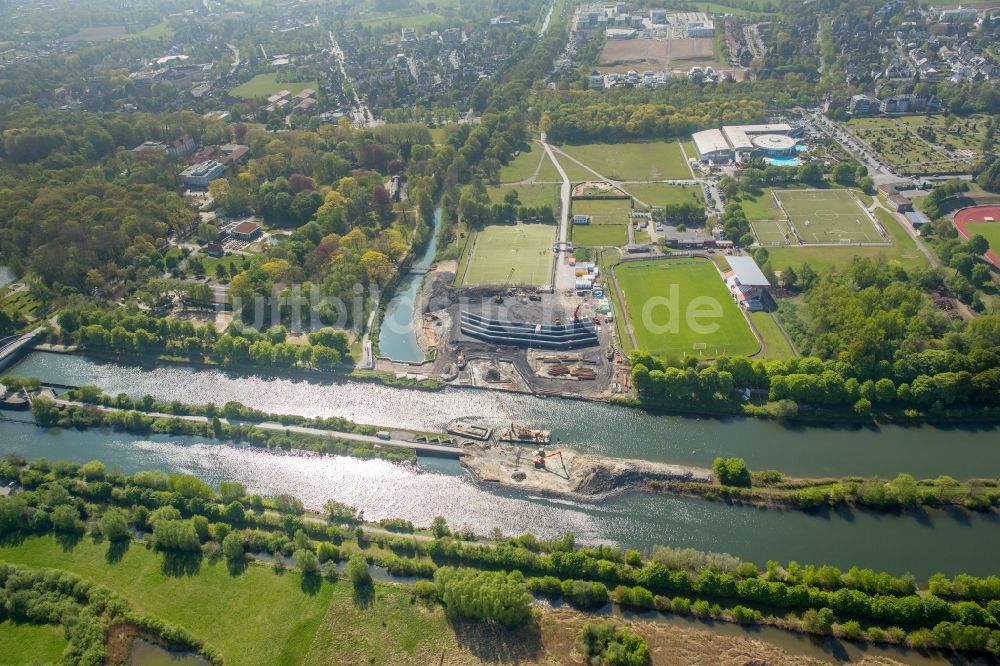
x=397 y=338
x=6 y=276
x=921 y=543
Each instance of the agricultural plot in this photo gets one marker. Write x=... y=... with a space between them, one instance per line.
x=524 y=251
x=652 y=160
x=264 y=85
x=827 y=216
x=681 y=307
x=924 y=144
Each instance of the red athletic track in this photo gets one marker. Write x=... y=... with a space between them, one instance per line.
x=977 y=214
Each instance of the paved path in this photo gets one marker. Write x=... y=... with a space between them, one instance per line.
x=565 y=276
x=419 y=447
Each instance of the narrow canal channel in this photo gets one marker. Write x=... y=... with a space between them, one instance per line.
x=397 y=337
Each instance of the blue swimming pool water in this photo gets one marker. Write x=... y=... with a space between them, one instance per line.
x=783 y=161
x=802 y=148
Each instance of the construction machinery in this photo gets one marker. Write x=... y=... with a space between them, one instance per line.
x=498 y=299
x=541 y=456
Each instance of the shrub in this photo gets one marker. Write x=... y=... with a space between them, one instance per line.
x=608 y=644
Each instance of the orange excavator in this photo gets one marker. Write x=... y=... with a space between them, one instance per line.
x=576 y=313
x=541 y=456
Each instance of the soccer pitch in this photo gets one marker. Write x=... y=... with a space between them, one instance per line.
x=525 y=249
x=827 y=217
x=681 y=307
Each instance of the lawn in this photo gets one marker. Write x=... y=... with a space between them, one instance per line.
x=264 y=85
x=903 y=250
x=600 y=235
x=524 y=165
x=658 y=195
x=529 y=195
x=778 y=347
x=524 y=251
x=682 y=306
x=828 y=216
x=603 y=211
x=653 y=160
x=988 y=230
x=761 y=207
x=156 y=31
x=31 y=643
x=223 y=609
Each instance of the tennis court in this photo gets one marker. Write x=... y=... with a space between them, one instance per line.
x=827 y=216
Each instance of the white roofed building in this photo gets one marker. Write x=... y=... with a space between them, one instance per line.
x=746 y=282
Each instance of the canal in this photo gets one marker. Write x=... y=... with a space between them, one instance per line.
x=397 y=337
x=920 y=544
x=586 y=426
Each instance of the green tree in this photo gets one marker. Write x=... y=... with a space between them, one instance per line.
x=65 y=518
x=114 y=525
x=233 y=546
x=357 y=571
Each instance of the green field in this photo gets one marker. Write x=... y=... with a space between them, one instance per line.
x=523 y=166
x=156 y=31
x=827 y=216
x=206 y=599
x=662 y=295
x=599 y=235
x=264 y=85
x=988 y=230
x=653 y=160
x=529 y=195
x=409 y=634
x=761 y=207
x=658 y=195
x=777 y=344
x=903 y=250
x=603 y=211
x=31 y=643
x=523 y=250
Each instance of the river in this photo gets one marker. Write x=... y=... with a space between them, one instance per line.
x=586 y=426
x=6 y=276
x=921 y=543
x=397 y=338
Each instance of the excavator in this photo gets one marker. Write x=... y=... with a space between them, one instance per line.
x=541 y=456
x=576 y=313
x=498 y=299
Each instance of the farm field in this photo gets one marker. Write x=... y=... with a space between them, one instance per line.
x=496 y=250
x=653 y=160
x=658 y=195
x=246 y=631
x=922 y=144
x=264 y=85
x=665 y=291
x=827 y=216
x=657 y=54
x=529 y=195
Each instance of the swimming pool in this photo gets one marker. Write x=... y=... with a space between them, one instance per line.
x=783 y=161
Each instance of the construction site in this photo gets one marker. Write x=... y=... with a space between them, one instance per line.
x=520 y=338
x=567 y=473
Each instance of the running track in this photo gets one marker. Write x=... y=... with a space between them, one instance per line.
x=977 y=214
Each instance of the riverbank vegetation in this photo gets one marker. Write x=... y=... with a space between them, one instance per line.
x=177 y=420
x=195 y=535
